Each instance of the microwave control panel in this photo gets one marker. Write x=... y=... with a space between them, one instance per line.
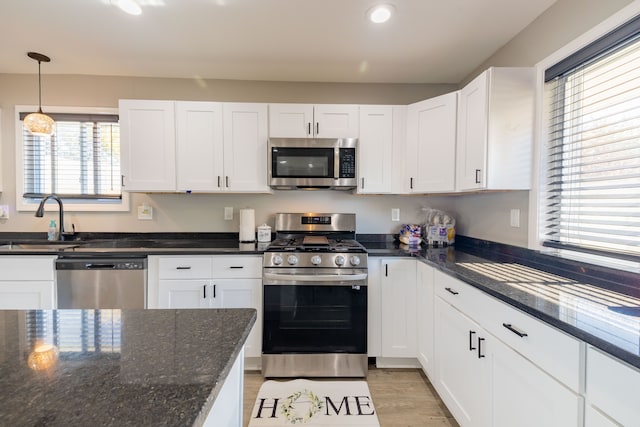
x=347 y=163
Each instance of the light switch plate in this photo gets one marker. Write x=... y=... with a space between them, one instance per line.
x=515 y=218
x=228 y=213
x=395 y=214
x=145 y=212
x=4 y=211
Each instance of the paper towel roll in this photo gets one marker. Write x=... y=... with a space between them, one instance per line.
x=247 y=225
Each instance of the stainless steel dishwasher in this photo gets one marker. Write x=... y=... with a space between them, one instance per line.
x=109 y=283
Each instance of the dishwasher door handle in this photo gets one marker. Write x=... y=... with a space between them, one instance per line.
x=91 y=266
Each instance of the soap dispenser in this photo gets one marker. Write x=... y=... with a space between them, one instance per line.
x=51 y=233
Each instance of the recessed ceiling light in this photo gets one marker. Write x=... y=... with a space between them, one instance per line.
x=130 y=7
x=380 y=13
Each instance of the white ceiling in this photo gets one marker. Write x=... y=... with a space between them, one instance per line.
x=427 y=41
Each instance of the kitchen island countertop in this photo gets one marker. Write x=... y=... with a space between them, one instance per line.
x=116 y=367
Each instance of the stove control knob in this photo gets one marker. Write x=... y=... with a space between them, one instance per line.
x=276 y=260
x=316 y=260
x=339 y=260
x=292 y=259
x=354 y=260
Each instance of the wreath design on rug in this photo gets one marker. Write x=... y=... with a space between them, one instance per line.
x=287 y=409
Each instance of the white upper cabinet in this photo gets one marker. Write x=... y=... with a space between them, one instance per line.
x=199 y=148
x=431 y=145
x=313 y=121
x=495 y=130
x=375 y=148
x=170 y=146
x=245 y=147
x=148 y=142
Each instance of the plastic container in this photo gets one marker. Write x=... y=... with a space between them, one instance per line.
x=53 y=230
x=264 y=233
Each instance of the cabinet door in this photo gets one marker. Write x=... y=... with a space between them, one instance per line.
x=526 y=396
x=185 y=294
x=425 y=301
x=26 y=295
x=374 y=309
x=398 y=285
x=472 y=134
x=147 y=130
x=335 y=121
x=431 y=144
x=375 y=149
x=245 y=147
x=245 y=293
x=290 y=120
x=463 y=366
x=199 y=145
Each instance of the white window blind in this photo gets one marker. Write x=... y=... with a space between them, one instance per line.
x=592 y=194
x=81 y=160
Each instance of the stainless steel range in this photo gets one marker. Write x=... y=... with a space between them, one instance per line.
x=315 y=298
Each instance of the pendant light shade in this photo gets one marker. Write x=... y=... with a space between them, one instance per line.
x=39 y=123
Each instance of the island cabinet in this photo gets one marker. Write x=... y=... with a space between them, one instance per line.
x=497 y=366
x=495 y=130
x=382 y=130
x=430 y=152
x=313 y=121
x=27 y=282
x=180 y=146
x=209 y=281
x=611 y=391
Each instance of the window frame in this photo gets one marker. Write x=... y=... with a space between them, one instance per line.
x=540 y=146
x=70 y=205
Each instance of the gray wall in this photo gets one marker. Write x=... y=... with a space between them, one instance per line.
x=479 y=215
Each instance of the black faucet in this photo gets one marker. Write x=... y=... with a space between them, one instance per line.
x=40 y=213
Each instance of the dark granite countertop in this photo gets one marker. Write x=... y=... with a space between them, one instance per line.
x=116 y=367
x=597 y=305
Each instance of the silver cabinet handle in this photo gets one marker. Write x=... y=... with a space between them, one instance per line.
x=218 y=181
x=477 y=176
x=227 y=180
x=317 y=128
x=309 y=128
x=362 y=183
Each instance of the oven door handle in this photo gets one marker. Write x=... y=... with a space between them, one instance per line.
x=316 y=277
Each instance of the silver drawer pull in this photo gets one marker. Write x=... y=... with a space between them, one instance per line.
x=183 y=268
x=516 y=331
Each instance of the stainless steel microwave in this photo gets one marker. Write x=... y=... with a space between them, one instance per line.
x=322 y=163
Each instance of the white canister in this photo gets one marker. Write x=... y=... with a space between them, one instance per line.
x=264 y=233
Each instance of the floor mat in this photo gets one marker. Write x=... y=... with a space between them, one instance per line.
x=314 y=403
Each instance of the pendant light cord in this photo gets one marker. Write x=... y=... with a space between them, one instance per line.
x=39 y=89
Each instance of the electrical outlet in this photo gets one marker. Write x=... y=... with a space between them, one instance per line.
x=395 y=214
x=145 y=212
x=515 y=218
x=4 y=211
x=228 y=213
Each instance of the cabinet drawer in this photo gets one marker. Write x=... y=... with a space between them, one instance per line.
x=18 y=268
x=612 y=387
x=551 y=349
x=462 y=296
x=194 y=267
x=237 y=267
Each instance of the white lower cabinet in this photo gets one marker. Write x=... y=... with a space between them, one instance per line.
x=612 y=391
x=489 y=381
x=227 y=408
x=27 y=282
x=209 y=281
x=425 y=318
x=463 y=366
x=399 y=306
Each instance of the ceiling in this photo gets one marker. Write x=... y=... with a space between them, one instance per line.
x=426 y=41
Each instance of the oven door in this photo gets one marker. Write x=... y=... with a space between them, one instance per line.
x=315 y=312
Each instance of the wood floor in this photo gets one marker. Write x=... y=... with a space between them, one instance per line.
x=402 y=398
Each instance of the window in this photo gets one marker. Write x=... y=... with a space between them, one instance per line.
x=591 y=196
x=80 y=162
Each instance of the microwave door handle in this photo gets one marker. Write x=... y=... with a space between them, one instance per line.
x=336 y=163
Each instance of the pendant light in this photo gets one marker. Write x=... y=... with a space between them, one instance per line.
x=39 y=123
